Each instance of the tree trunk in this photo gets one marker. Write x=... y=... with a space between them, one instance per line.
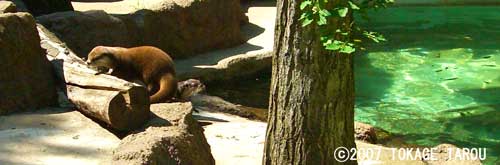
x=311 y=111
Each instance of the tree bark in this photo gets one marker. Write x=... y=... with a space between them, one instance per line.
x=311 y=111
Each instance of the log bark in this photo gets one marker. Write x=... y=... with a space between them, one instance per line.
x=120 y=104
x=311 y=111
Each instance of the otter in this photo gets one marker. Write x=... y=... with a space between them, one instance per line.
x=147 y=64
x=187 y=89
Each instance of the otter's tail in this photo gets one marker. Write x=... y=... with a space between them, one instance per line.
x=167 y=89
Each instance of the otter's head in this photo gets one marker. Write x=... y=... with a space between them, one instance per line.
x=101 y=59
x=189 y=88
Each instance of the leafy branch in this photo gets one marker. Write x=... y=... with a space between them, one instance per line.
x=315 y=11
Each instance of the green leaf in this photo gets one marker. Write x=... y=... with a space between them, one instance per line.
x=347 y=49
x=306 y=18
x=342 y=33
x=324 y=39
x=325 y=13
x=332 y=47
x=304 y=4
x=343 y=11
x=353 y=5
x=335 y=45
x=304 y=15
x=306 y=21
x=322 y=20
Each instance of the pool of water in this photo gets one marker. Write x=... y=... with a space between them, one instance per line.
x=437 y=79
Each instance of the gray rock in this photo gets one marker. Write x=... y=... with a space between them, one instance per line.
x=7 y=7
x=26 y=80
x=171 y=137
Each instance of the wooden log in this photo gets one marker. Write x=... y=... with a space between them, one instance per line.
x=108 y=106
x=121 y=104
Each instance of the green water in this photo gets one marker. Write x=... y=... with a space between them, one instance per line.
x=437 y=79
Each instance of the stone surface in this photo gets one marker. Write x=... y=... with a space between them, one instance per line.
x=233 y=139
x=7 y=7
x=26 y=80
x=365 y=132
x=171 y=137
x=182 y=28
x=54 y=136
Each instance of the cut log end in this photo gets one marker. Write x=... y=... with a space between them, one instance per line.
x=112 y=107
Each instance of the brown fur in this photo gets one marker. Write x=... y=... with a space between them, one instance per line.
x=145 y=63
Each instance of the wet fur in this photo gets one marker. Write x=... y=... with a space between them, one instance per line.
x=146 y=63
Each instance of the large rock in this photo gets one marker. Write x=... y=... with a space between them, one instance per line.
x=82 y=31
x=181 y=28
x=26 y=80
x=228 y=69
x=7 y=7
x=171 y=137
x=193 y=26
